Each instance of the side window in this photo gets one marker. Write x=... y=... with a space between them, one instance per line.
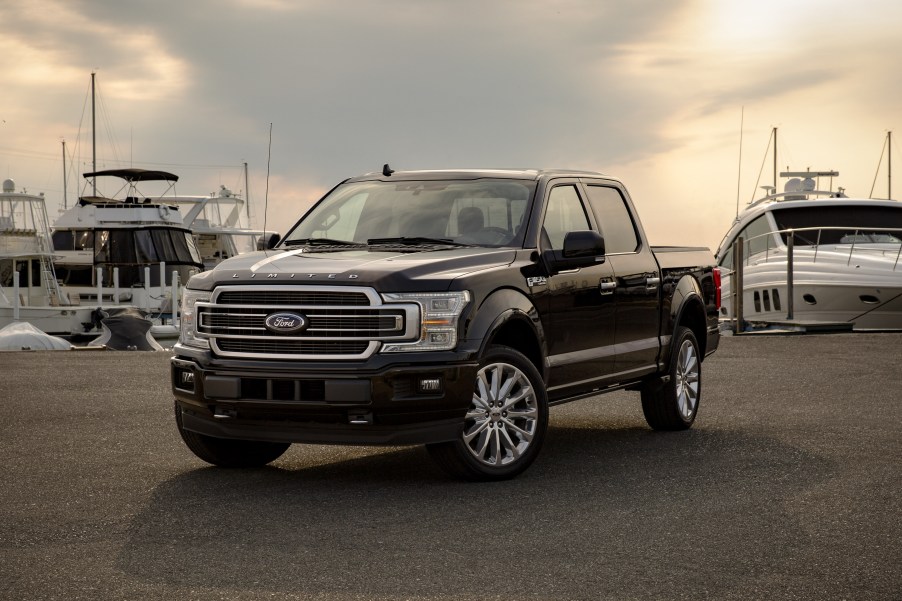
x=564 y=214
x=614 y=219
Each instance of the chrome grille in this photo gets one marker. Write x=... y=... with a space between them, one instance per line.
x=339 y=326
x=293 y=297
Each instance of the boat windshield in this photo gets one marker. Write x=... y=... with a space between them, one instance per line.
x=841 y=224
x=485 y=212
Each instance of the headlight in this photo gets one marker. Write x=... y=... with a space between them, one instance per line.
x=188 y=319
x=439 y=312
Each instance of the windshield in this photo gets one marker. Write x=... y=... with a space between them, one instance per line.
x=841 y=224
x=483 y=212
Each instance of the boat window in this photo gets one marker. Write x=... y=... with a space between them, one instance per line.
x=144 y=250
x=185 y=247
x=62 y=240
x=727 y=259
x=83 y=239
x=165 y=249
x=121 y=246
x=101 y=248
x=756 y=240
x=614 y=219
x=75 y=275
x=858 y=224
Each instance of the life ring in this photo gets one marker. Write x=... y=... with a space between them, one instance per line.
x=164 y=212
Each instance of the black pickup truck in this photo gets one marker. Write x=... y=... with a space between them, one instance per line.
x=446 y=308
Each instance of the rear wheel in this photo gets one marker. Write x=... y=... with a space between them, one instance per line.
x=505 y=424
x=227 y=452
x=674 y=405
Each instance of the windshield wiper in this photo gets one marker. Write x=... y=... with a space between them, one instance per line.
x=415 y=241
x=322 y=242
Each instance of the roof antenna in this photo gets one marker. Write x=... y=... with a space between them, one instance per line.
x=386 y=170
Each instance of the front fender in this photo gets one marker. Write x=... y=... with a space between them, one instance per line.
x=502 y=309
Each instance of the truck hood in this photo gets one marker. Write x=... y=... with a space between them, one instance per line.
x=384 y=271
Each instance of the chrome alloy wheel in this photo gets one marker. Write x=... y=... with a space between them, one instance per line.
x=503 y=416
x=687 y=379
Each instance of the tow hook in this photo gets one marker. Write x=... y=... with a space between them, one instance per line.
x=223 y=413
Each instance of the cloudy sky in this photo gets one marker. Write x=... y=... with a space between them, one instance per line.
x=653 y=91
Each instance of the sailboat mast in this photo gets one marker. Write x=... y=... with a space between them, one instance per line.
x=65 y=201
x=775 y=159
x=889 y=165
x=93 y=138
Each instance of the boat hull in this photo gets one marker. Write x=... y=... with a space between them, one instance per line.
x=864 y=294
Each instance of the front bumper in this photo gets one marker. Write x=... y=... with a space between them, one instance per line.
x=420 y=398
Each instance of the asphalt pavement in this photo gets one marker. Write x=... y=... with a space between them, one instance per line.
x=788 y=487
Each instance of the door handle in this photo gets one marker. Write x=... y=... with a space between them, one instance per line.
x=607 y=288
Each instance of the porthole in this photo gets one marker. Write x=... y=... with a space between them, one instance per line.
x=869 y=299
x=757 y=302
x=776 y=297
x=767 y=300
x=808 y=298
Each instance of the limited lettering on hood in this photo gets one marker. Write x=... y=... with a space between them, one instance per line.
x=257 y=267
x=307 y=276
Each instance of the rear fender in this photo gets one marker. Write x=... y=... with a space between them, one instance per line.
x=687 y=307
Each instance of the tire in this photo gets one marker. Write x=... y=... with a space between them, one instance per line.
x=227 y=452
x=674 y=405
x=505 y=424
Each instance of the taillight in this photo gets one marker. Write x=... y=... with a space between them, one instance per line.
x=717 y=297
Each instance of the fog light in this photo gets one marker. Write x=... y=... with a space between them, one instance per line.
x=429 y=385
x=185 y=380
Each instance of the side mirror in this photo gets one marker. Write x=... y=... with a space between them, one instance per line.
x=268 y=240
x=582 y=248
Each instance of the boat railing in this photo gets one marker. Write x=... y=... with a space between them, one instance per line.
x=112 y=293
x=774 y=245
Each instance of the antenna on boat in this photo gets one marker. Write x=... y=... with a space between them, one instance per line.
x=887 y=144
x=93 y=137
x=773 y=136
x=739 y=170
x=266 y=195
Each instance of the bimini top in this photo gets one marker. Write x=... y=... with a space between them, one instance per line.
x=137 y=175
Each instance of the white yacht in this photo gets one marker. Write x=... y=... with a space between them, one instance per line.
x=813 y=257
x=219 y=224
x=29 y=289
x=135 y=249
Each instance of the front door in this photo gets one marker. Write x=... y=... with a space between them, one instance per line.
x=579 y=304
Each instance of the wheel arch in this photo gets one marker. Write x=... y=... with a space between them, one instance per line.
x=687 y=308
x=507 y=317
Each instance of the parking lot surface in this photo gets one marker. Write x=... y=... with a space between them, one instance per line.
x=788 y=487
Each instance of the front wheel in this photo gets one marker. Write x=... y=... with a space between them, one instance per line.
x=226 y=452
x=505 y=424
x=674 y=405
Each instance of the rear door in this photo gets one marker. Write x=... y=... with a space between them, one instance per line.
x=637 y=278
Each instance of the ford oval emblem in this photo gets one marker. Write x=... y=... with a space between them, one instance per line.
x=286 y=323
